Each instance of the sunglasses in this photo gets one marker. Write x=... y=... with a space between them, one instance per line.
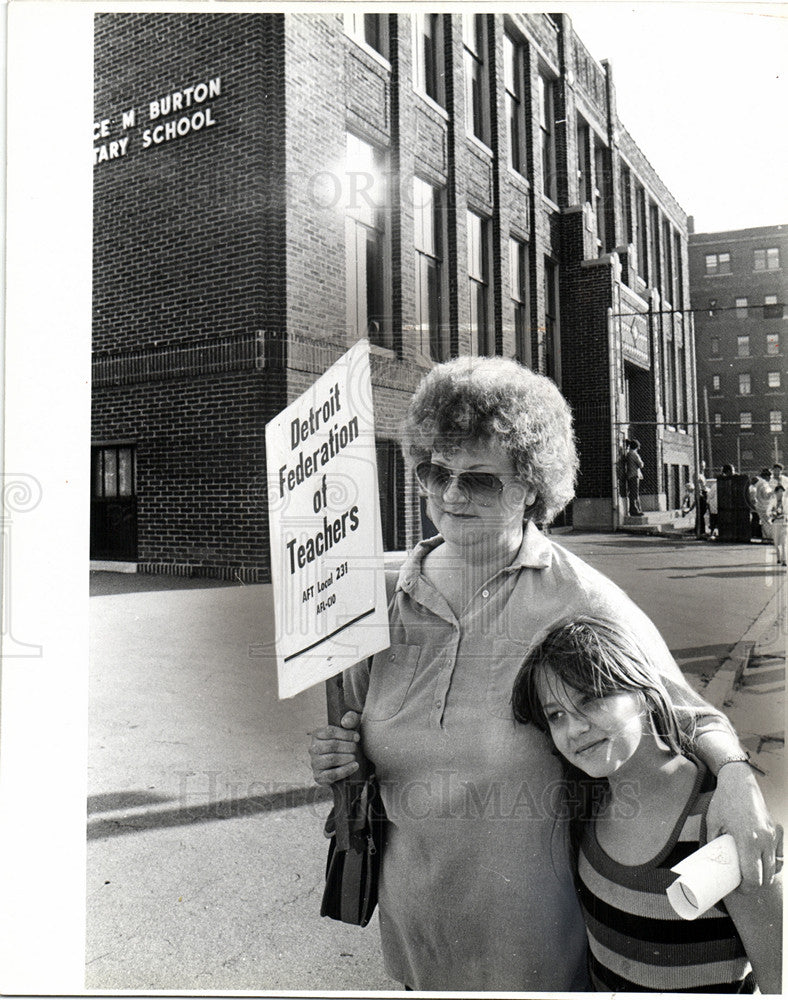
x=483 y=488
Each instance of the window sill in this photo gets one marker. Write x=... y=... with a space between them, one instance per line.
x=372 y=53
x=431 y=103
x=382 y=352
x=521 y=179
x=548 y=201
x=480 y=144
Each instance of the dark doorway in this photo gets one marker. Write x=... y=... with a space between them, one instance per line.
x=113 y=504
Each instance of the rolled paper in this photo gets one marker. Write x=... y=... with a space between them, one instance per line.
x=705 y=877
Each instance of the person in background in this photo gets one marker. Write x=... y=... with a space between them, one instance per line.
x=778 y=515
x=778 y=477
x=763 y=499
x=594 y=688
x=755 y=521
x=634 y=464
x=476 y=889
x=713 y=505
x=702 y=497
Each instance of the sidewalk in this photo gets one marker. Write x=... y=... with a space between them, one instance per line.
x=750 y=688
x=205 y=854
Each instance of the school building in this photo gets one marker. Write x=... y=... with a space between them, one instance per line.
x=739 y=284
x=269 y=188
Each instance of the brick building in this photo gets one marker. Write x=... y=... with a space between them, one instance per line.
x=268 y=188
x=739 y=286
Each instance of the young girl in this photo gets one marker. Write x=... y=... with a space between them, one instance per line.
x=595 y=691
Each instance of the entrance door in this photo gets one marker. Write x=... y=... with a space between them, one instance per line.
x=113 y=505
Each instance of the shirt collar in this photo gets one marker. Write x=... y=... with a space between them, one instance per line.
x=535 y=552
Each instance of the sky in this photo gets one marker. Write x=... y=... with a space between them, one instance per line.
x=703 y=90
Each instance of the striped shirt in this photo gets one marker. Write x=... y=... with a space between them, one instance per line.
x=637 y=942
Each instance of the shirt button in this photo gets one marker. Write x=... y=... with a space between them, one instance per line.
x=485 y=593
x=438 y=703
x=392 y=657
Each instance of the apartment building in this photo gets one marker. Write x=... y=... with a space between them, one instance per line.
x=739 y=286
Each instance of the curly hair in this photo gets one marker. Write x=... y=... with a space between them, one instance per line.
x=598 y=657
x=470 y=400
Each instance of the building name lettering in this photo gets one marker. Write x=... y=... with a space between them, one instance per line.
x=117 y=146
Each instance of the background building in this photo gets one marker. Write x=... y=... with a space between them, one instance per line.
x=462 y=186
x=739 y=287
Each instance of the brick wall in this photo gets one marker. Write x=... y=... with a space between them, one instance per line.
x=188 y=249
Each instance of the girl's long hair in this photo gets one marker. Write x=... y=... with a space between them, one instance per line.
x=597 y=657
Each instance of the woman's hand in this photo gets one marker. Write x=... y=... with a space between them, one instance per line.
x=737 y=807
x=335 y=751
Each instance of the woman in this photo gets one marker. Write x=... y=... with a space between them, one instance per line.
x=476 y=891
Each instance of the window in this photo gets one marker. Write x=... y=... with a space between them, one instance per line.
x=669 y=378
x=717 y=421
x=428 y=55
x=681 y=384
x=678 y=257
x=626 y=201
x=715 y=347
x=771 y=308
x=552 y=321
x=767 y=260
x=428 y=240
x=772 y=343
x=371 y=29
x=743 y=347
x=583 y=160
x=776 y=421
x=741 y=308
x=655 y=275
x=718 y=263
x=744 y=384
x=474 y=37
x=668 y=279
x=715 y=383
x=546 y=120
x=482 y=339
x=513 y=74
x=601 y=177
x=642 y=234
x=113 y=472
x=391 y=489
x=773 y=380
x=366 y=239
x=745 y=421
x=518 y=284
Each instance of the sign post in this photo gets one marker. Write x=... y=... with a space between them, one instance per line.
x=326 y=539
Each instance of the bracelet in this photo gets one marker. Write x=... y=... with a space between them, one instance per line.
x=739 y=758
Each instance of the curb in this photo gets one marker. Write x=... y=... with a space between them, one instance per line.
x=728 y=674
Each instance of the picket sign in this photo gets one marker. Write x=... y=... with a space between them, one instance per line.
x=325 y=533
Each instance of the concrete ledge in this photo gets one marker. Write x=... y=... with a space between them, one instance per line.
x=720 y=687
x=108 y=566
